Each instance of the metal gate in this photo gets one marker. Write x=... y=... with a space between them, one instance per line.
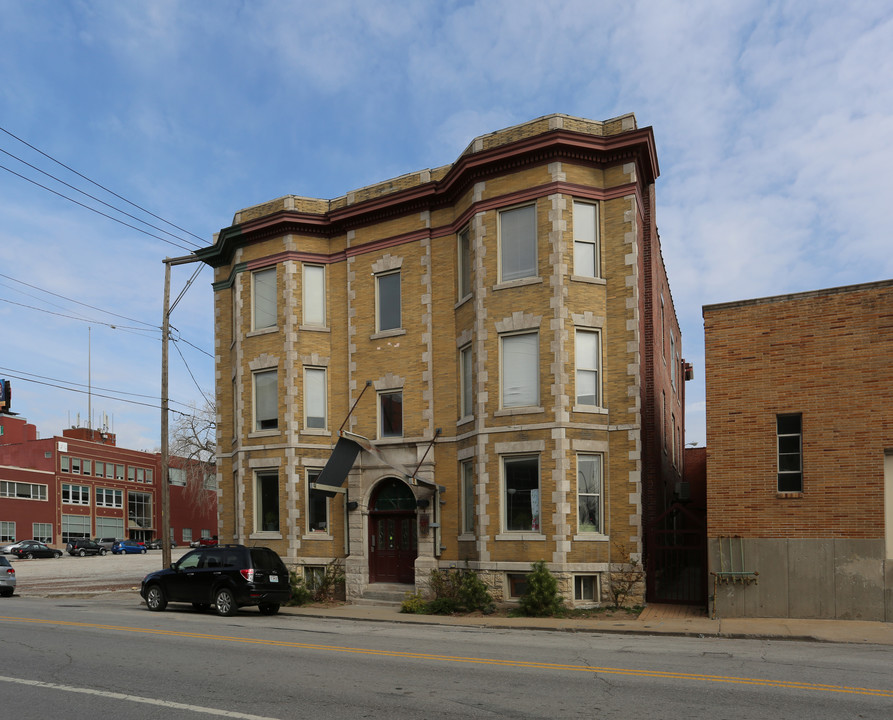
x=676 y=569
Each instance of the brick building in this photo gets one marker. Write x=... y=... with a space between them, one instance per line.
x=499 y=337
x=799 y=443
x=82 y=485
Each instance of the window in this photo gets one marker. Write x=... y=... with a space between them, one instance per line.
x=140 y=475
x=314 y=295
x=315 y=398
x=586 y=255
x=517 y=584
x=314 y=576
x=589 y=493
x=139 y=509
x=149 y=475
x=75 y=527
x=266 y=401
x=206 y=534
x=790 y=452
x=464 y=264
x=467 y=472
x=177 y=476
x=106 y=497
x=110 y=527
x=317 y=506
x=64 y=463
x=109 y=471
x=22 y=491
x=187 y=535
x=264 y=298
x=673 y=359
x=521 y=476
x=588 y=360
x=266 y=499
x=387 y=300
x=119 y=472
x=466 y=407
x=42 y=532
x=87 y=467
x=75 y=466
x=7 y=531
x=75 y=494
x=100 y=469
x=131 y=473
x=520 y=370
x=517 y=243
x=390 y=413
x=586 y=588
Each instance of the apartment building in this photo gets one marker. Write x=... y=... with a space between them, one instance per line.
x=800 y=454
x=493 y=342
x=81 y=485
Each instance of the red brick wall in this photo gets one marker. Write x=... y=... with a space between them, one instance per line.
x=828 y=355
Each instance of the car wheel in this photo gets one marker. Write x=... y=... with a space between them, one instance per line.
x=225 y=602
x=82 y=553
x=29 y=556
x=103 y=551
x=57 y=554
x=155 y=599
x=143 y=551
x=268 y=608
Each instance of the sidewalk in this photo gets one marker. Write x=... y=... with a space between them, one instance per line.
x=654 y=620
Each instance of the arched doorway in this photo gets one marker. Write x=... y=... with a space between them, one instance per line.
x=393 y=539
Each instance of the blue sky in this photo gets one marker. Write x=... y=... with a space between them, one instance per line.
x=773 y=123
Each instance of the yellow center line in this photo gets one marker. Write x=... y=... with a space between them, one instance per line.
x=657 y=674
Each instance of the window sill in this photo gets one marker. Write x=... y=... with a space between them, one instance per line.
x=264 y=433
x=266 y=535
x=319 y=432
x=396 y=332
x=314 y=328
x=390 y=440
x=518 y=411
x=521 y=282
x=589 y=280
x=592 y=409
x=789 y=495
x=590 y=537
x=466 y=537
x=520 y=536
x=262 y=331
x=317 y=536
x=463 y=420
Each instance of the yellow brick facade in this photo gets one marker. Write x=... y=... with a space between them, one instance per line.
x=410 y=226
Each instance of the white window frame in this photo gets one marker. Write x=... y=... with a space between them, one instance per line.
x=316 y=398
x=515 y=245
x=597 y=492
x=387 y=277
x=580 y=590
x=786 y=454
x=313 y=498
x=75 y=494
x=42 y=531
x=465 y=273
x=109 y=498
x=314 y=292
x=519 y=381
x=186 y=534
x=23 y=490
x=7 y=531
x=588 y=368
x=466 y=375
x=261 y=525
x=264 y=309
x=272 y=423
x=466 y=473
x=509 y=504
x=587 y=255
x=176 y=476
x=381 y=414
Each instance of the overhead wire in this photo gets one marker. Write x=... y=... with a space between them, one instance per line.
x=93 y=182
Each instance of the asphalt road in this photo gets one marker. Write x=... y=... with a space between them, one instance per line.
x=108 y=656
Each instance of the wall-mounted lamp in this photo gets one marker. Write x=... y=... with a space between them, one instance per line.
x=422 y=503
x=353 y=505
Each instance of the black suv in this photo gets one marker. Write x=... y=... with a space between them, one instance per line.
x=226 y=576
x=85 y=547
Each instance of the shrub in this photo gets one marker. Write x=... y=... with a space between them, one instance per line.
x=329 y=583
x=300 y=593
x=473 y=594
x=413 y=603
x=542 y=598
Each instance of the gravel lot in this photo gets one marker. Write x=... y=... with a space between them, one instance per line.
x=94 y=573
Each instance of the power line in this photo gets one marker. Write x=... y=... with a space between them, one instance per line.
x=93 y=197
x=98 y=212
x=189 y=370
x=111 y=192
x=74 y=317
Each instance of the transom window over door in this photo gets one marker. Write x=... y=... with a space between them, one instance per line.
x=520 y=370
x=517 y=243
x=263 y=293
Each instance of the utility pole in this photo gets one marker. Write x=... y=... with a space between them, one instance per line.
x=165 y=442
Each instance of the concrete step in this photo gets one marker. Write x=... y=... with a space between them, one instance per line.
x=385 y=594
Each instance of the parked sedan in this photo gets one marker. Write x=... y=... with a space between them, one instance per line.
x=7 y=578
x=156 y=544
x=33 y=549
x=128 y=547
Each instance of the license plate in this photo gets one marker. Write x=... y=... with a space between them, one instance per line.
x=274 y=578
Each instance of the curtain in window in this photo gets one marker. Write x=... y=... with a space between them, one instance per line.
x=265 y=298
x=520 y=370
x=518 y=243
x=315 y=398
x=314 y=295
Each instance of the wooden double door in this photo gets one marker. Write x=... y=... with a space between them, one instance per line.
x=393 y=547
